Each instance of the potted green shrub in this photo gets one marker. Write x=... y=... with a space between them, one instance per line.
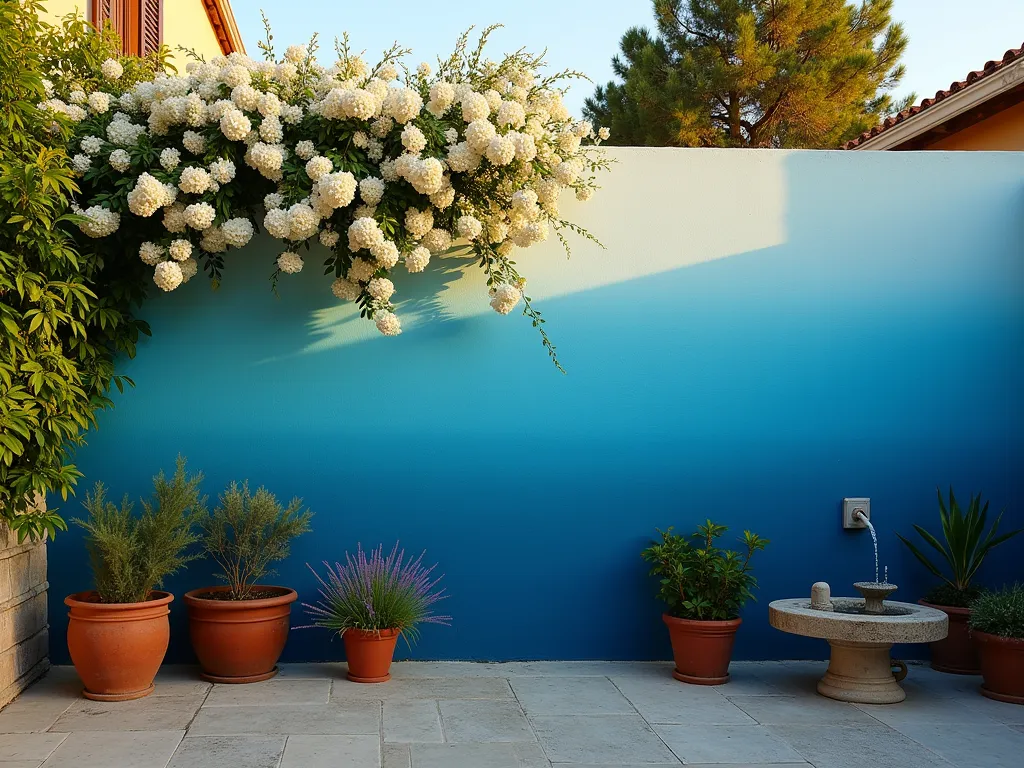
x=118 y=633
x=997 y=624
x=963 y=549
x=370 y=602
x=239 y=630
x=704 y=588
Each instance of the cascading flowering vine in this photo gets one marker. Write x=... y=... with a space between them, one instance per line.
x=382 y=165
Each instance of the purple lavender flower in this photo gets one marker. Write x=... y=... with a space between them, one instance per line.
x=376 y=592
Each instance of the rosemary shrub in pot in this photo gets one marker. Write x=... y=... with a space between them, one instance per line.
x=703 y=588
x=965 y=545
x=370 y=602
x=997 y=624
x=239 y=630
x=118 y=633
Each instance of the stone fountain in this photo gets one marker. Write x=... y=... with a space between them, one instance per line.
x=861 y=634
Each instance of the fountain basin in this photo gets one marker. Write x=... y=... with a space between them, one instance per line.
x=860 y=667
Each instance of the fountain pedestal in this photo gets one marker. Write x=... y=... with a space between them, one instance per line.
x=862 y=673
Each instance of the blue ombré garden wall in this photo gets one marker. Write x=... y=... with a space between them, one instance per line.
x=766 y=333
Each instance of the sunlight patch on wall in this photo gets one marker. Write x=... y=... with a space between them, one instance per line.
x=658 y=210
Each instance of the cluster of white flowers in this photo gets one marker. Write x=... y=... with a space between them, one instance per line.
x=382 y=170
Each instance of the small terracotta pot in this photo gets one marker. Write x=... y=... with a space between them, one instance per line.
x=701 y=649
x=117 y=648
x=956 y=653
x=369 y=654
x=239 y=641
x=1002 y=667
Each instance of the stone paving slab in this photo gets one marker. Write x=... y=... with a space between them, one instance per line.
x=522 y=715
x=607 y=738
x=345 y=691
x=734 y=744
x=297 y=719
x=32 y=715
x=28 y=746
x=156 y=713
x=665 y=700
x=416 y=721
x=837 y=746
x=474 y=756
x=331 y=752
x=273 y=692
x=483 y=722
x=570 y=696
x=979 y=746
x=106 y=749
x=224 y=751
x=802 y=710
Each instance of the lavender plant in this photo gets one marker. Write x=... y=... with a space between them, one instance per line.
x=376 y=593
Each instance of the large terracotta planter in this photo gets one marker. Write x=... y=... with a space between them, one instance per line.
x=1002 y=667
x=239 y=641
x=117 y=648
x=701 y=649
x=957 y=652
x=369 y=654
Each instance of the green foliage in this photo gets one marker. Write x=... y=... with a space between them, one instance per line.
x=1000 y=613
x=697 y=579
x=247 y=532
x=132 y=554
x=72 y=51
x=63 y=314
x=948 y=595
x=966 y=543
x=750 y=73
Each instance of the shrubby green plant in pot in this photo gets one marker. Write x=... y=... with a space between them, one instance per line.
x=239 y=630
x=997 y=623
x=372 y=600
x=965 y=544
x=704 y=588
x=118 y=633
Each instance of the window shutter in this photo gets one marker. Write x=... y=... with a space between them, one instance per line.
x=151 y=26
x=114 y=11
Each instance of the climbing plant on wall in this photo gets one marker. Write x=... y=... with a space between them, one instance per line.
x=64 y=314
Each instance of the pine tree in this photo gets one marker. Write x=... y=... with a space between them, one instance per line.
x=754 y=73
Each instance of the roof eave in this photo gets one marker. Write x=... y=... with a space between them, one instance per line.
x=947 y=109
x=222 y=18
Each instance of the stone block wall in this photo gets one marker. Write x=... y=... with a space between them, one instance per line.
x=24 y=628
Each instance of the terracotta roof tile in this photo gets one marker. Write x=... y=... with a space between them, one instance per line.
x=990 y=67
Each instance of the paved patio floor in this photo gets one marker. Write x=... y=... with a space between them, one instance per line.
x=518 y=715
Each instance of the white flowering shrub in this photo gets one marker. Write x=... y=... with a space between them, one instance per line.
x=385 y=167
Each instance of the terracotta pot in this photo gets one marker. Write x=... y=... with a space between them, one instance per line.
x=702 y=649
x=956 y=653
x=1002 y=667
x=117 y=648
x=369 y=654
x=239 y=641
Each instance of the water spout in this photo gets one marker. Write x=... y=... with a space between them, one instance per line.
x=874 y=538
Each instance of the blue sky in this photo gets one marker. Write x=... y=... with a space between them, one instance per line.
x=946 y=39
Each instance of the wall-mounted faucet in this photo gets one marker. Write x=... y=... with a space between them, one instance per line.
x=856 y=513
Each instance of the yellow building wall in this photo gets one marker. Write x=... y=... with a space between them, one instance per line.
x=185 y=24
x=56 y=9
x=1003 y=131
